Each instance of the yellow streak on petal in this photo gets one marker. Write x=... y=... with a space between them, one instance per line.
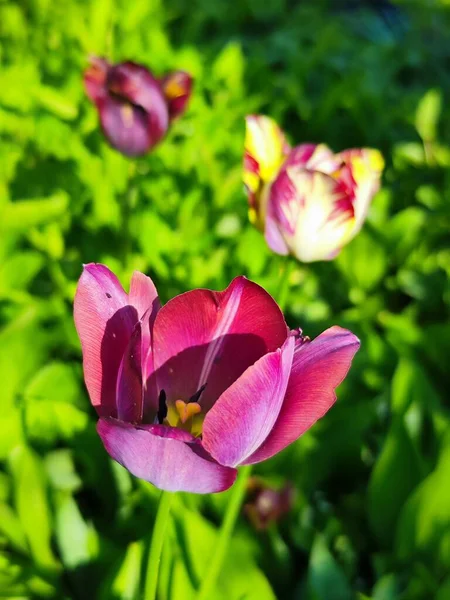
x=265 y=141
x=174 y=88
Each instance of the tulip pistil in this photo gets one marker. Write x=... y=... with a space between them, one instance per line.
x=162 y=407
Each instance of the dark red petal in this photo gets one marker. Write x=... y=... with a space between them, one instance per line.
x=177 y=88
x=95 y=79
x=205 y=337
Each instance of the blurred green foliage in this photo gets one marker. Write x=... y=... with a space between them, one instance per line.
x=372 y=518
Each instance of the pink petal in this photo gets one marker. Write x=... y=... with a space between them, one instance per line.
x=168 y=458
x=143 y=294
x=317 y=369
x=205 y=337
x=104 y=323
x=273 y=235
x=137 y=85
x=126 y=127
x=129 y=392
x=245 y=413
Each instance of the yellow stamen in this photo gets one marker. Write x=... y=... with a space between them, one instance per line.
x=186 y=416
x=187 y=411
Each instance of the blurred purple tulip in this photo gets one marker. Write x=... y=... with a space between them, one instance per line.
x=135 y=107
x=265 y=504
x=212 y=380
x=308 y=201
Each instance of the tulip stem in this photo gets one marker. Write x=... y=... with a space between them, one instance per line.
x=283 y=283
x=156 y=545
x=225 y=533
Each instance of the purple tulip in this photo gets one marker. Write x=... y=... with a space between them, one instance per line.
x=212 y=380
x=266 y=504
x=135 y=107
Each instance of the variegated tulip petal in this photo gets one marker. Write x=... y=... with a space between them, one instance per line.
x=365 y=166
x=317 y=218
x=266 y=143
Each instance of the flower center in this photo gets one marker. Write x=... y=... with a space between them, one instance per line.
x=180 y=414
x=186 y=416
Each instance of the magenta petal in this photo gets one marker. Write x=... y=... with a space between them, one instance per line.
x=104 y=323
x=205 y=337
x=137 y=84
x=127 y=127
x=318 y=368
x=168 y=458
x=143 y=294
x=245 y=413
x=129 y=393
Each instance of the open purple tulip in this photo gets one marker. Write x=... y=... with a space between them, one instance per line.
x=135 y=107
x=212 y=380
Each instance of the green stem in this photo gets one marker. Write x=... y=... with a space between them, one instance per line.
x=156 y=544
x=226 y=531
x=283 y=283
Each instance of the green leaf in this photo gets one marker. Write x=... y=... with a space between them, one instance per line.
x=326 y=579
x=18 y=270
x=11 y=528
x=240 y=577
x=55 y=382
x=397 y=462
x=31 y=502
x=18 y=217
x=386 y=588
x=127 y=577
x=411 y=385
x=424 y=525
x=56 y=102
x=77 y=541
x=427 y=115
x=443 y=592
x=354 y=259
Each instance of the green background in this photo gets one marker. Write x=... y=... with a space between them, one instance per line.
x=372 y=513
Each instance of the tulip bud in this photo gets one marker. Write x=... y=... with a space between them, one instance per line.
x=177 y=88
x=316 y=201
x=266 y=504
x=134 y=108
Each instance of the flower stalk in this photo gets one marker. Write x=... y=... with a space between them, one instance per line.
x=226 y=531
x=156 y=545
